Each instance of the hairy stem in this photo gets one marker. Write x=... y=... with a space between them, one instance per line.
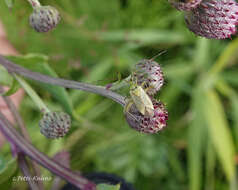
x=12 y=135
x=23 y=130
x=13 y=68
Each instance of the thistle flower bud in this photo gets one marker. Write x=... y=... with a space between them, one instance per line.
x=146 y=124
x=55 y=124
x=213 y=19
x=185 y=5
x=44 y=18
x=148 y=74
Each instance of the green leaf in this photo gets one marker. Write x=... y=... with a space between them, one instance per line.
x=144 y=37
x=5 y=78
x=7 y=168
x=234 y=107
x=202 y=52
x=231 y=77
x=230 y=93
x=196 y=139
x=227 y=55
x=9 y=3
x=14 y=87
x=210 y=166
x=38 y=63
x=34 y=96
x=108 y=187
x=219 y=132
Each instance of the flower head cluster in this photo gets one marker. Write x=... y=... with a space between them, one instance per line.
x=148 y=75
x=185 y=5
x=44 y=18
x=55 y=124
x=210 y=18
x=147 y=124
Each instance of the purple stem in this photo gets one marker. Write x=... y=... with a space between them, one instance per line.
x=12 y=135
x=11 y=67
x=14 y=149
x=25 y=170
x=24 y=132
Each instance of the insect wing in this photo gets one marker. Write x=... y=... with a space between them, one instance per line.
x=142 y=101
x=138 y=103
x=146 y=101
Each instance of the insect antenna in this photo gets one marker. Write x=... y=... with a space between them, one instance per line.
x=160 y=53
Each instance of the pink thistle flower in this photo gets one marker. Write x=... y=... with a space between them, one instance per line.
x=213 y=19
x=185 y=5
x=146 y=124
x=149 y=74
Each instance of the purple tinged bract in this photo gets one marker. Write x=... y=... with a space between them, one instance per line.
x=44 y=18
x=213 y=19
x=149 y=75
x=55 y=124
x=185 y=5
x=147 y=124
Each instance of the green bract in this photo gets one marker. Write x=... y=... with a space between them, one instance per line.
x=44 y=18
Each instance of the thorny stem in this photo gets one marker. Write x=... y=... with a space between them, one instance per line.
x=12 y=135
x=34 y=3
x=23 y=130
x=13 y=68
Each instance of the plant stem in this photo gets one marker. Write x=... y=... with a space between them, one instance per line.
x=120 y=84
x=22 y=163
x=13 y=68
x=16 y=115
x=23 y=130
x=37 y=100
x=25 y=170
x=12 y=135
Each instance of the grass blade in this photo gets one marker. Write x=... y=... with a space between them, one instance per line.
x=219 y=132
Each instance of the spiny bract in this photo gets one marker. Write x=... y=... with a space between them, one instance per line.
x=55 y=124
x=44 y=18
x=185 y=5
x=148 y=73
x=147 y=124
x=213 y=19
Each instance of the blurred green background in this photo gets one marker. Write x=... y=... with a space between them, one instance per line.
x=97 y=39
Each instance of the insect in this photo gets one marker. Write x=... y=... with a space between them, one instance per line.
x=141 y=100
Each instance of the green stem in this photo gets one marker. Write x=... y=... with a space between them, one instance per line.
x=32 y=94
x=118 y=85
